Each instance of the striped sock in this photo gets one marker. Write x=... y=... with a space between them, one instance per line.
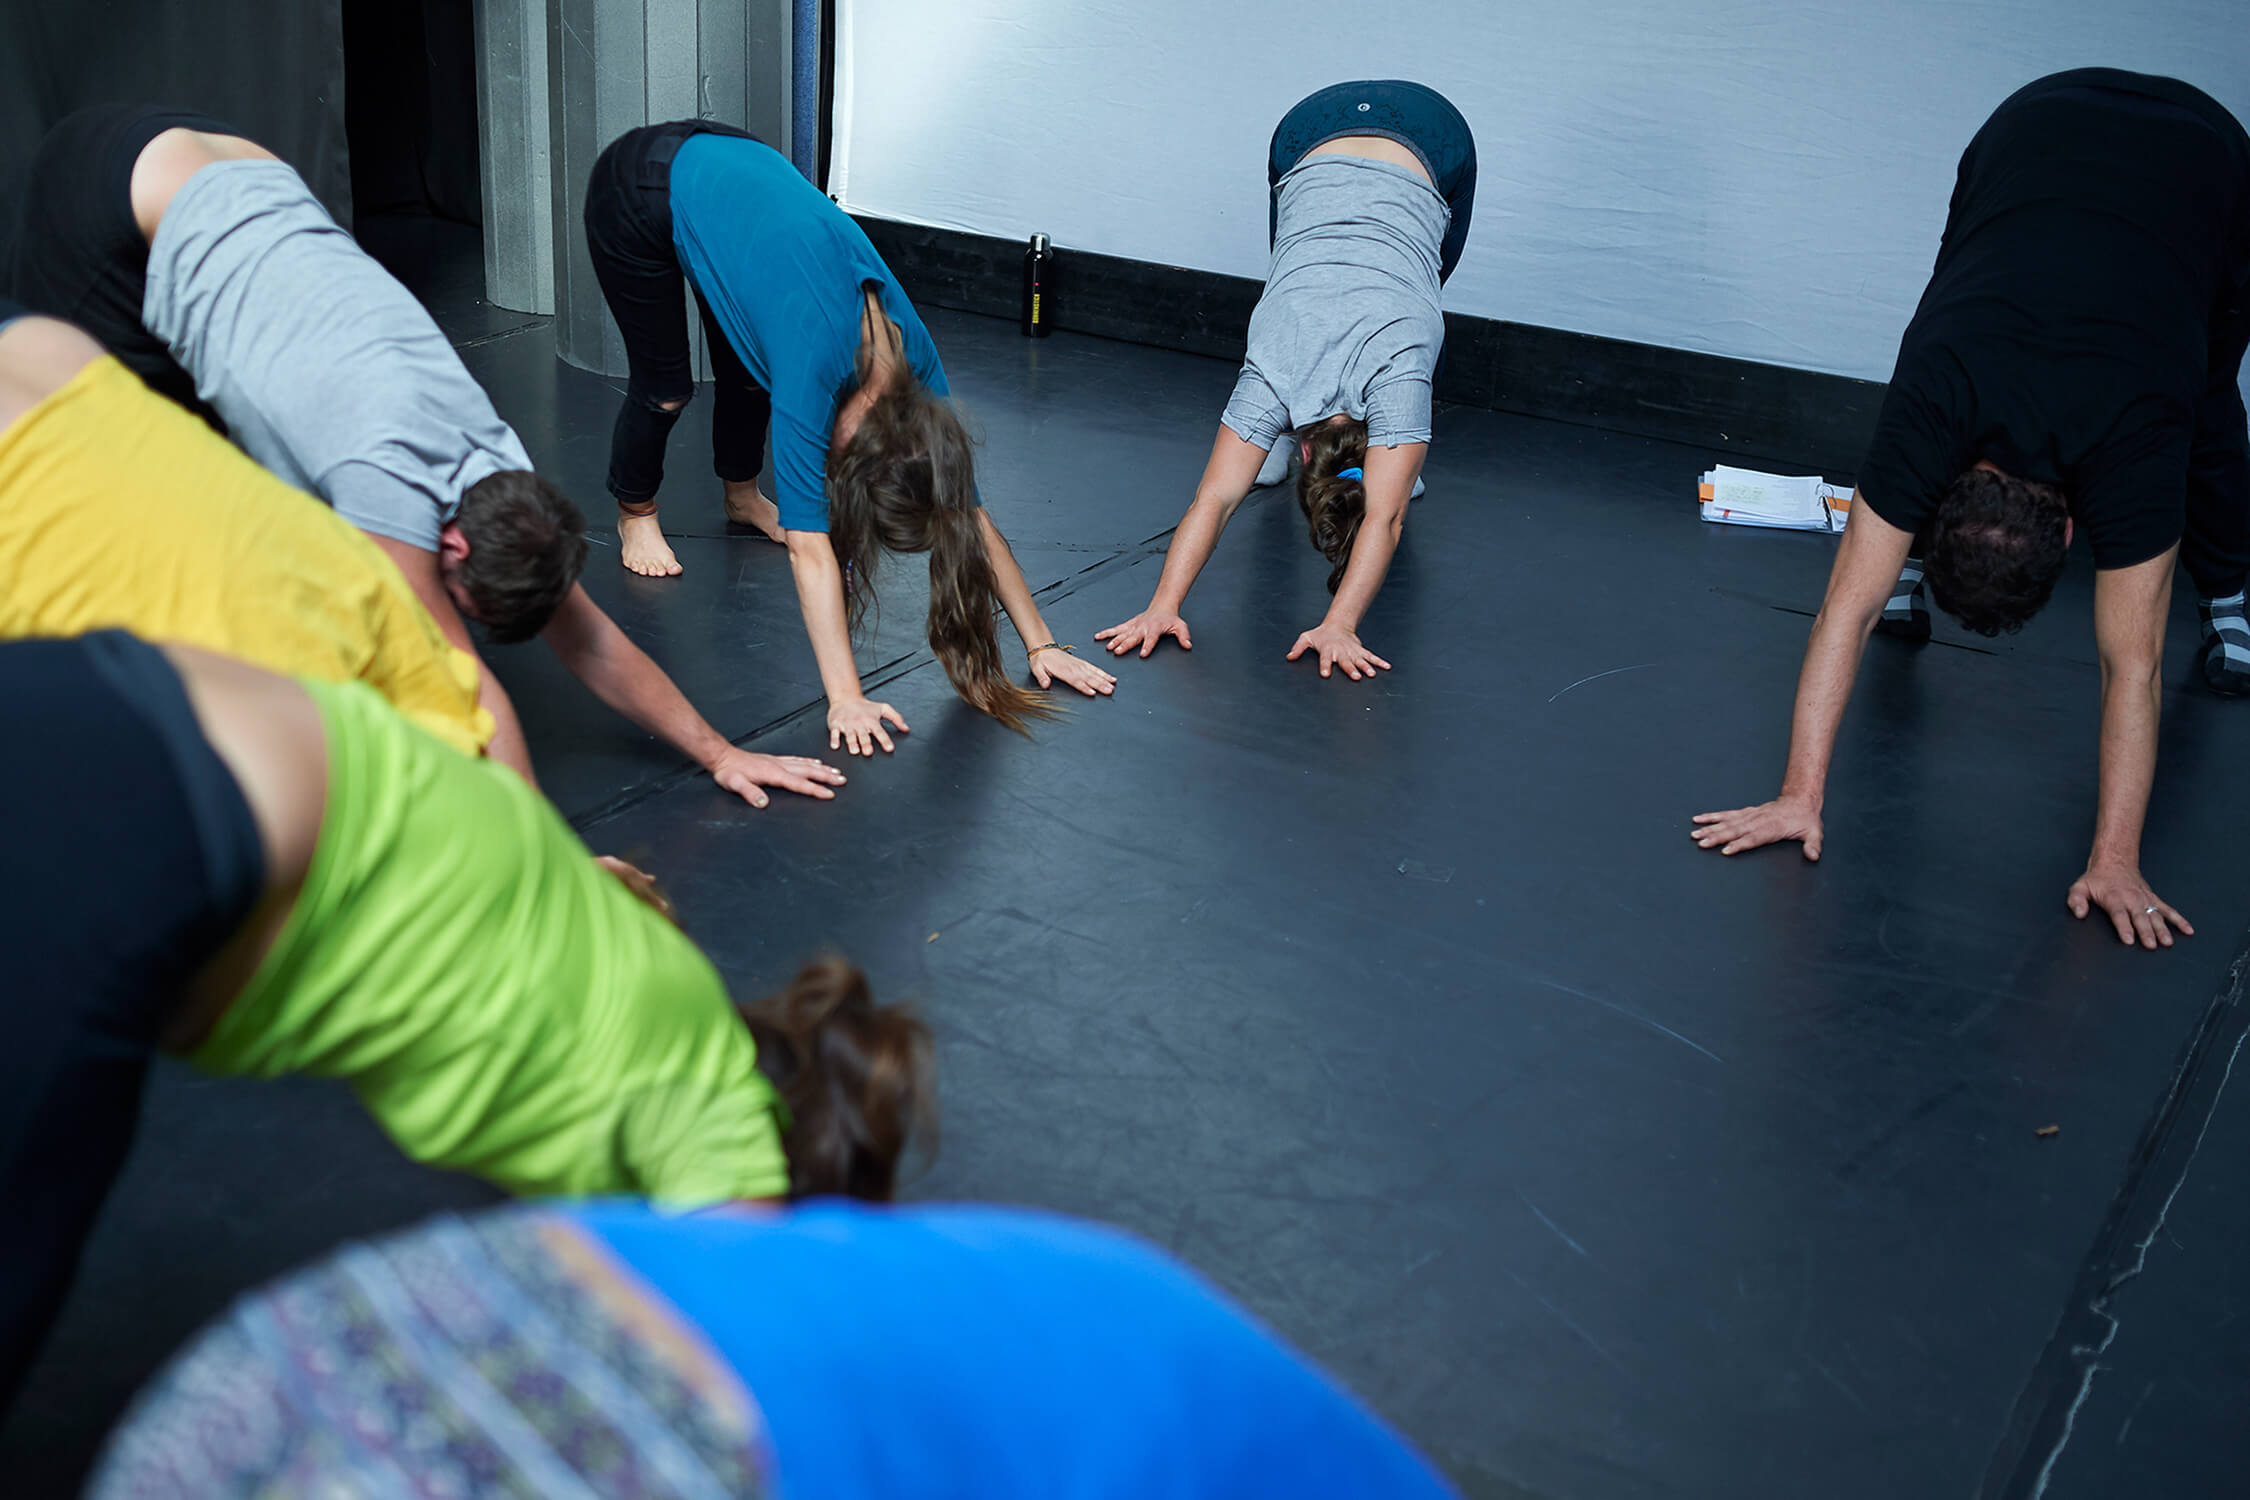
x=2226 y=644
x=1907 y=614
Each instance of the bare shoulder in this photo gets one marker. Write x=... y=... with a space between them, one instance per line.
x=38 y=356
x=268 y=731
x=171 y=158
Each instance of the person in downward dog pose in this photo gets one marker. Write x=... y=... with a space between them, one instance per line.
x=809 y=334
x=208 y=266
x=830 y=1350
x=120 y=510
x=1371 y=188
x=2039 y=394
x=270 y=876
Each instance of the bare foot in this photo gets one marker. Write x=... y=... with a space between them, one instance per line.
x=646 y=552
x=746 y=507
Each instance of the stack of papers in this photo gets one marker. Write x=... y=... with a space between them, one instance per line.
x=1792 y=502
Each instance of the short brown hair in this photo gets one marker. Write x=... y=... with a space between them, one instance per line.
x=1994 y=549
x=527 y=546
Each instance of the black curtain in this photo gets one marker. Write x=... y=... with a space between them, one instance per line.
x=410 y=105
x=272 y=68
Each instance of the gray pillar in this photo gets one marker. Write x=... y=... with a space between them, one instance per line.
x=519 y=220
x=616 y=64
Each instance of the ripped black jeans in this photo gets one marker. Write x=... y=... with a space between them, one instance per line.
x=629 y=236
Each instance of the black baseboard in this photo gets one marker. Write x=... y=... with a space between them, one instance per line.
x=1768 y=414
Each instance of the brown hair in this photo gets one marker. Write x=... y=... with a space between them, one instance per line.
x=1333 y=506
x=905 y=483
x=859 y=1079
x=1994 y=548
x=527 y=546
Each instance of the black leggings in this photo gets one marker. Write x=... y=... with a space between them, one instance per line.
x=133 y=859
x=629 y=236
x=79 y=251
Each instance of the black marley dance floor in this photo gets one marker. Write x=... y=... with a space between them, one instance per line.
x=1407 y=1011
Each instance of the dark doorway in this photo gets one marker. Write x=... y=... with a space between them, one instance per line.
x=410 y=108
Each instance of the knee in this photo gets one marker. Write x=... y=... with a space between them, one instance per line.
x=656 y=401
x=646 y=405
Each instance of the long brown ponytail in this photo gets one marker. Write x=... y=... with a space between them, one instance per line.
x=906 y=483
x=859 y=1080
x=1333 y=506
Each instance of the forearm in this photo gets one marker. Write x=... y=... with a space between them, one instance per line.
x=820 y=597
x=622 y=675
x=626 y=678
x=1824 y=687
x=508 y=745
x=2132 y=698
x=1008 y=582
x=1196 y=538
x=1363 y=575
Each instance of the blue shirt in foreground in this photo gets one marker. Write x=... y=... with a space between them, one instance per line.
x=1000 y=1355
x=782 y=268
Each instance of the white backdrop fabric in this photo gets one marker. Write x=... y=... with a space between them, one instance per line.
x=1760 y=180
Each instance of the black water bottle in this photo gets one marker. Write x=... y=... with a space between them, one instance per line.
x=1038 y=289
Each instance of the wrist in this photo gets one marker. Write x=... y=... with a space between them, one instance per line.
x=2123 y=861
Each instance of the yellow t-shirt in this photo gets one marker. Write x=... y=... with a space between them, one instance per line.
x=119 y=509
x=498 y=1001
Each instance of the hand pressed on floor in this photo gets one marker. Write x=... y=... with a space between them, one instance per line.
x=2138 y=913
x=1051 y=667
x=856 y=725
x=1747 y=828
x=1145 y=630
x=1337 y=647
x=746 y=775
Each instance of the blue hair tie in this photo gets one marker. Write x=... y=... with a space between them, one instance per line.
x=1351 y=473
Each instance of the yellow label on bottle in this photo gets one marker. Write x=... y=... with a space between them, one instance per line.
x=1034 y=307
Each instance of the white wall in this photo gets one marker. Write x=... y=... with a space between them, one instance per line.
x=1760 y=180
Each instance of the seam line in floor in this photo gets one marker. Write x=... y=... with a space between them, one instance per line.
x=2044 y=1418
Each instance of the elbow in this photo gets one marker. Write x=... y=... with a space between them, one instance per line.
x=1853 y=622
x=2135 y=672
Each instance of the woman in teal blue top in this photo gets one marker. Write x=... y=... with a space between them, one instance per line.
x=810 y=334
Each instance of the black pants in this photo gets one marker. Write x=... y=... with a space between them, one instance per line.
x=133 y=859
x=1418 y=117
x=2215 y=548
x=79 y=252
x=629 y=236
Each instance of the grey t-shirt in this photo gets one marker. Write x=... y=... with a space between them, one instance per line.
x=325 y=369
x=1349 y=320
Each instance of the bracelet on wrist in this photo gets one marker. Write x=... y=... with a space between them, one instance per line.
x=1051 y=646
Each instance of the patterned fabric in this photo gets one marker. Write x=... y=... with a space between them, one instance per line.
x=2226 y=644
x=509 y=1358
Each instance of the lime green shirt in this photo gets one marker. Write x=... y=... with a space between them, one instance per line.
x=499 y=1002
